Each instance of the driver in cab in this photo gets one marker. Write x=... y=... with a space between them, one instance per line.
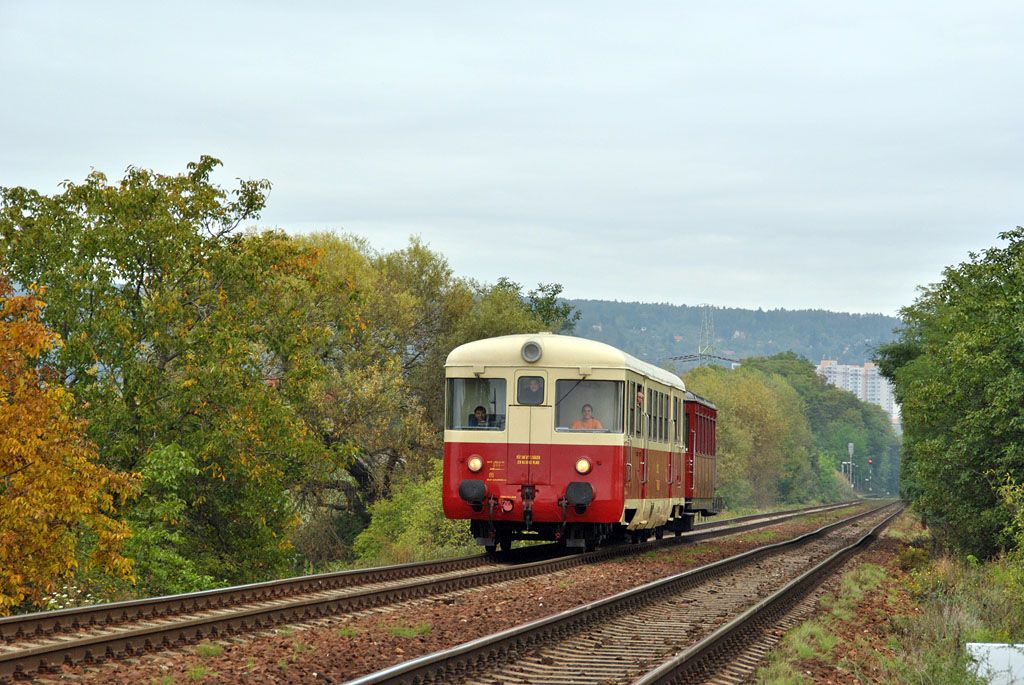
x=587 y=420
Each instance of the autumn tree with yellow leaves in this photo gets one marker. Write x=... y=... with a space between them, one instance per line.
x=54 y=497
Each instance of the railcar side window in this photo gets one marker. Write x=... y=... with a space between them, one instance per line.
x=662 y=417
x=650 y=413
x=656 y=417
x=468 y=396
x=589 y=406
x=639 y=411
x=632 y=408
x=676 y=427
x=666 y=417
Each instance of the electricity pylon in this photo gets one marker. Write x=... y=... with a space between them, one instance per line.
x=706 y=344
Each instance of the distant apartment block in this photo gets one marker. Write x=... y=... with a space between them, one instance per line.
x=863 y=381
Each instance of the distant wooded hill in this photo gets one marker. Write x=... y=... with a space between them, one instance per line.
x=655 y=332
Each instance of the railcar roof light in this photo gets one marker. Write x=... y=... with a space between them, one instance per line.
x=532 y=351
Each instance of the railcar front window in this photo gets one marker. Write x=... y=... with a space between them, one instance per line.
x=588 y=406
x=531 y=390
x=476 y=404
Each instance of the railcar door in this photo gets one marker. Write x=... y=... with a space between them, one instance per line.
x=647 y=489
x=635 y=441
x=678 y=450
x=530 y=425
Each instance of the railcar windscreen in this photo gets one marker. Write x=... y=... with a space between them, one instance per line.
x=468 y=396
x=594 y=406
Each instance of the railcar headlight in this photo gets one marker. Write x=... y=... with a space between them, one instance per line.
x=475 y=464
x=583 y=466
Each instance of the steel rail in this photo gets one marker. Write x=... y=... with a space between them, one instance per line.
x=225 y=616
x=703 y=658
x=49 y=622
x=449 y=664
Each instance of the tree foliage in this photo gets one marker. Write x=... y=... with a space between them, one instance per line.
x=557 y=315
x=659 y=331
x=265 y=390
x=766 y=450
x=958 y=368
x=837 y=418
x=383 y=387
x=182 y=333
x=54 y=497
x=410 y=525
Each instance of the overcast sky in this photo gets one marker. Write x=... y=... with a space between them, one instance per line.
x=747 y=154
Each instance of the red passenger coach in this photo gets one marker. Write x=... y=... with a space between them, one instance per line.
x=551 y=437
x=701 y=452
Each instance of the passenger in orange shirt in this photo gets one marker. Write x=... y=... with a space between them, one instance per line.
x=588 y=422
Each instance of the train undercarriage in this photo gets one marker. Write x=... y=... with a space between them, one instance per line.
x=580 y=536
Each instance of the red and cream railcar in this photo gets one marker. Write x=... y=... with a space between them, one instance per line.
x=561 y=438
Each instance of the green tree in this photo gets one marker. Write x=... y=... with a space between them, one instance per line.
x=182 y=331
x=382 y=395
x=958 y=368
x=547 y=309
x=837 y=418
x=558 y=316
x=765 y=448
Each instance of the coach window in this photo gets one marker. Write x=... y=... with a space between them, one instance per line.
x=698 y=425
x=466 y=395
x=588 y=406
x=700 y=433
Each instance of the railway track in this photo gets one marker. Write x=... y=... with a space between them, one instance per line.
x=38 y=641
x=732 y=653
x=663 y=625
